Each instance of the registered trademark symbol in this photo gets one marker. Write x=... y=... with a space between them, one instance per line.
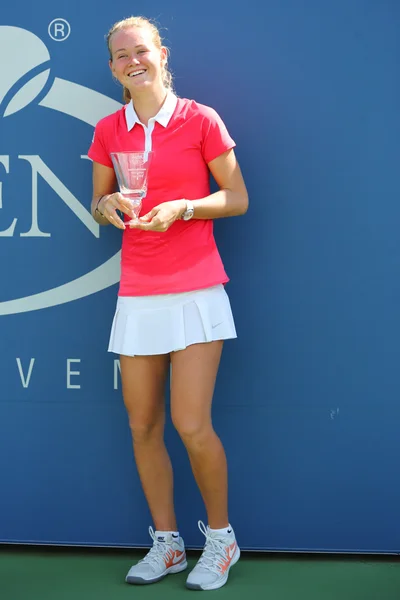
x=59 y=30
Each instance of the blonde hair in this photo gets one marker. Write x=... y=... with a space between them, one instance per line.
x=157 y=41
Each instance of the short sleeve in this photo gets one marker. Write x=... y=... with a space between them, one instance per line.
x=98 y=149
x=216 y=139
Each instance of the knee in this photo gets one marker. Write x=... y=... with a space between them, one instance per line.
x=192 y=432
x=144 y=431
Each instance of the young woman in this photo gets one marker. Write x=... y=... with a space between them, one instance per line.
x=172 y=306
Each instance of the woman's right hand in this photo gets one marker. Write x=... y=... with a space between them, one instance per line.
x=109 y=205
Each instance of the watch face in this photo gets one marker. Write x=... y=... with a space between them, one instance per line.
x=188 y=214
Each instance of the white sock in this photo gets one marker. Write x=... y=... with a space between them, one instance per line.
x=161 y=535
x=225 y=531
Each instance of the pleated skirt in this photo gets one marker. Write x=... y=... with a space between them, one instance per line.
x=160 y=324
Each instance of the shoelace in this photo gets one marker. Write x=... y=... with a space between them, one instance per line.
x=214 y=551
x=156 y=554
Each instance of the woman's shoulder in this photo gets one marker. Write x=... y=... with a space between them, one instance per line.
x=192 y=108
x=109 y=121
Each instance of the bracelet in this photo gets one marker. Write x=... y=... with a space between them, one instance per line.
x=97 y=205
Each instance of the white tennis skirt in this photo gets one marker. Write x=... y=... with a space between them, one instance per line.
x=160 y=324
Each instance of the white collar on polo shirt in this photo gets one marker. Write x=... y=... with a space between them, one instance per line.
x=163 y=116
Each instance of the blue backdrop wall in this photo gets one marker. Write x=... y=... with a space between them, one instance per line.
x=307 y=398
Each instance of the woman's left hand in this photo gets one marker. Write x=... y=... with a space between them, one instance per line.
x=161 y=217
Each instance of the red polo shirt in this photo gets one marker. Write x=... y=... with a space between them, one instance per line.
x=184 y=137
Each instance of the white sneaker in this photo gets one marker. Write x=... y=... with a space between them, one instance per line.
x=220 y=553
x=167 y=555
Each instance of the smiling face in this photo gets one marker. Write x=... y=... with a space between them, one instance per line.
x=136 y=61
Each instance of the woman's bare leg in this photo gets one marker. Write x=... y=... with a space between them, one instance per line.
x=194 y=371
x=143 y=384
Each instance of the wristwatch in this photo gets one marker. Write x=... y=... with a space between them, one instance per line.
x=189 y=212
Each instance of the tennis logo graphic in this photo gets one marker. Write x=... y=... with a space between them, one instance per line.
x=27 y=79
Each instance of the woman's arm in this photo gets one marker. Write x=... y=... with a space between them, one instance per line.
x=231 y=199
x=103 y=179
x=106 y=201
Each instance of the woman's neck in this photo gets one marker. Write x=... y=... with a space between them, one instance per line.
x=148 y=103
